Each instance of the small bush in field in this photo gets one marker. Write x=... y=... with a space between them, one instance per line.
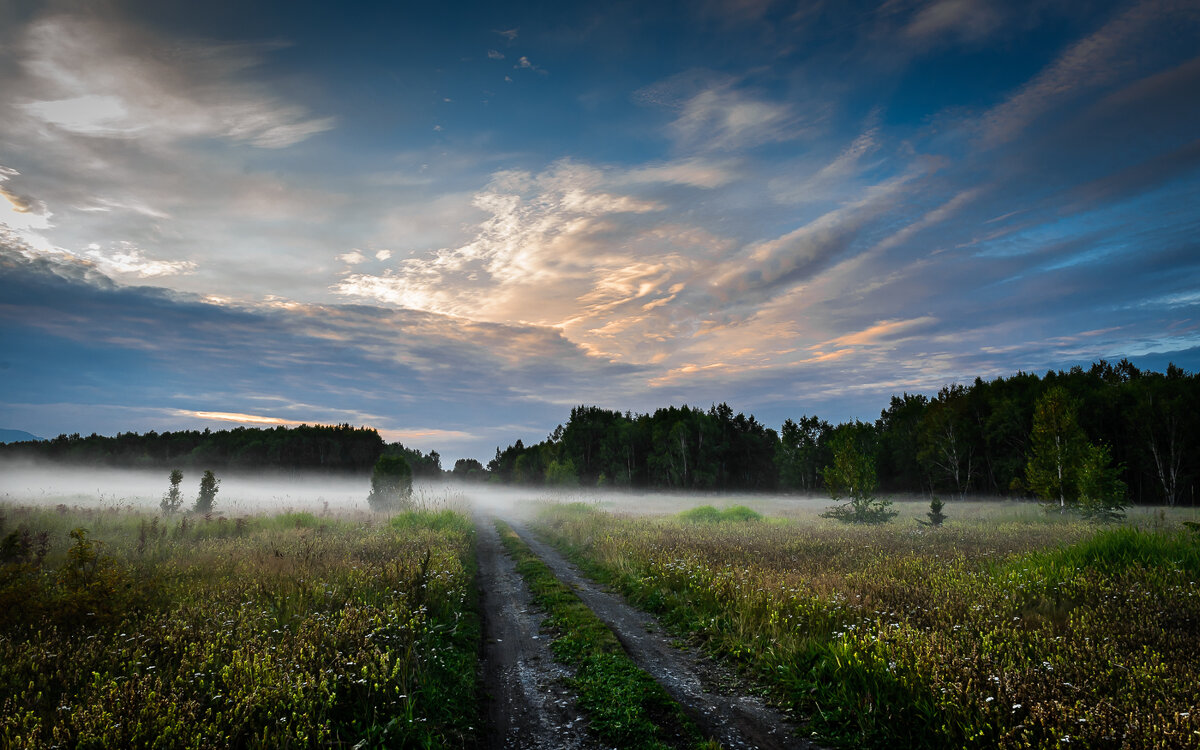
x=709 y=514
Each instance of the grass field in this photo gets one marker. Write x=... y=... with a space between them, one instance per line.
x=119 y=629
x=1004 y=628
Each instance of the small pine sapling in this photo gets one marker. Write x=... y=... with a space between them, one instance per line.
x=935 y=514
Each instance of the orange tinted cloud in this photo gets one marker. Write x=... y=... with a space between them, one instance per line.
x=227 y=416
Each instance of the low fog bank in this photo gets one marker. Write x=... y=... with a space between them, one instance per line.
x=24 y=482
x=46 y=484
x=42 y=484
x=524 y=503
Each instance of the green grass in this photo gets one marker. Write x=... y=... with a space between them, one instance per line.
x=992 y=633
x=119 y=629
x=709 y=514
x=625 y=706
x=1119 y=550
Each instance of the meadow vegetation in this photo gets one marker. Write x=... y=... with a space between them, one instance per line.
x=122 y=629
x=1033 y=631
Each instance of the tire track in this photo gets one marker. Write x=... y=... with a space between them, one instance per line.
x=529 y=704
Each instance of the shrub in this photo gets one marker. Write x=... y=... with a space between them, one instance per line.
x=709 y=514
x=391 y=484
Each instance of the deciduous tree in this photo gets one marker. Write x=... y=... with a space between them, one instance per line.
x=172 y=501
x=208 y=492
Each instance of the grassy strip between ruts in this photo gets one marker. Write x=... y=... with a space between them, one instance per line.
x=625 y=706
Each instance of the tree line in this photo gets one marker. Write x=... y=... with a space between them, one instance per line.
x=331 y=448
x=1119 y=423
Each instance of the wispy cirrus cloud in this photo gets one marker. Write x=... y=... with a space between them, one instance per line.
x=969 y=20
x=718 y=113
x=1114 y=52
x=108 y=80
x=546 y=239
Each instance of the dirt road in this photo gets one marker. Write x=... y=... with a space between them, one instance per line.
x=705 y=689
x=529 y=704
x=532 y=707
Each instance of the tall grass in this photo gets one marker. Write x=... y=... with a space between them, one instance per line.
x=268 y=631
x=997 y=634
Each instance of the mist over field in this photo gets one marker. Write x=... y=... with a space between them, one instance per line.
x=47 y=484
x=42 y=484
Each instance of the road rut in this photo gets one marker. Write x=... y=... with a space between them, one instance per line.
x=529 y=704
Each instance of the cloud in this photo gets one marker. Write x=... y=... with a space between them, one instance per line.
x=426 y=435
x=545 y=241
x=523 y=63
x=23 y=218
x=832 y=178
x=149 y=347
x=882 y=331
x=125 y=259
x=968 y=20
x=352 y=258
x=765 y=266
x=722 y=118
x=715 y=114
x=102 y=79
x=23 y=204
x=223 y=416
x=509 y=34
x=495 y=55
x=1108 y=55
x=694 y=172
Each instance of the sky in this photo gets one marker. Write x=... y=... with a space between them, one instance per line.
x=455 y=221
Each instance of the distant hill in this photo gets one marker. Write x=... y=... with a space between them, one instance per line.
x=16 y=436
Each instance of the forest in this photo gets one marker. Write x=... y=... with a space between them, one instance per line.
x=330 y=448
x=1143 y=427
x=967 y=439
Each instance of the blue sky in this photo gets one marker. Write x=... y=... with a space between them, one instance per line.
x=455 y=221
